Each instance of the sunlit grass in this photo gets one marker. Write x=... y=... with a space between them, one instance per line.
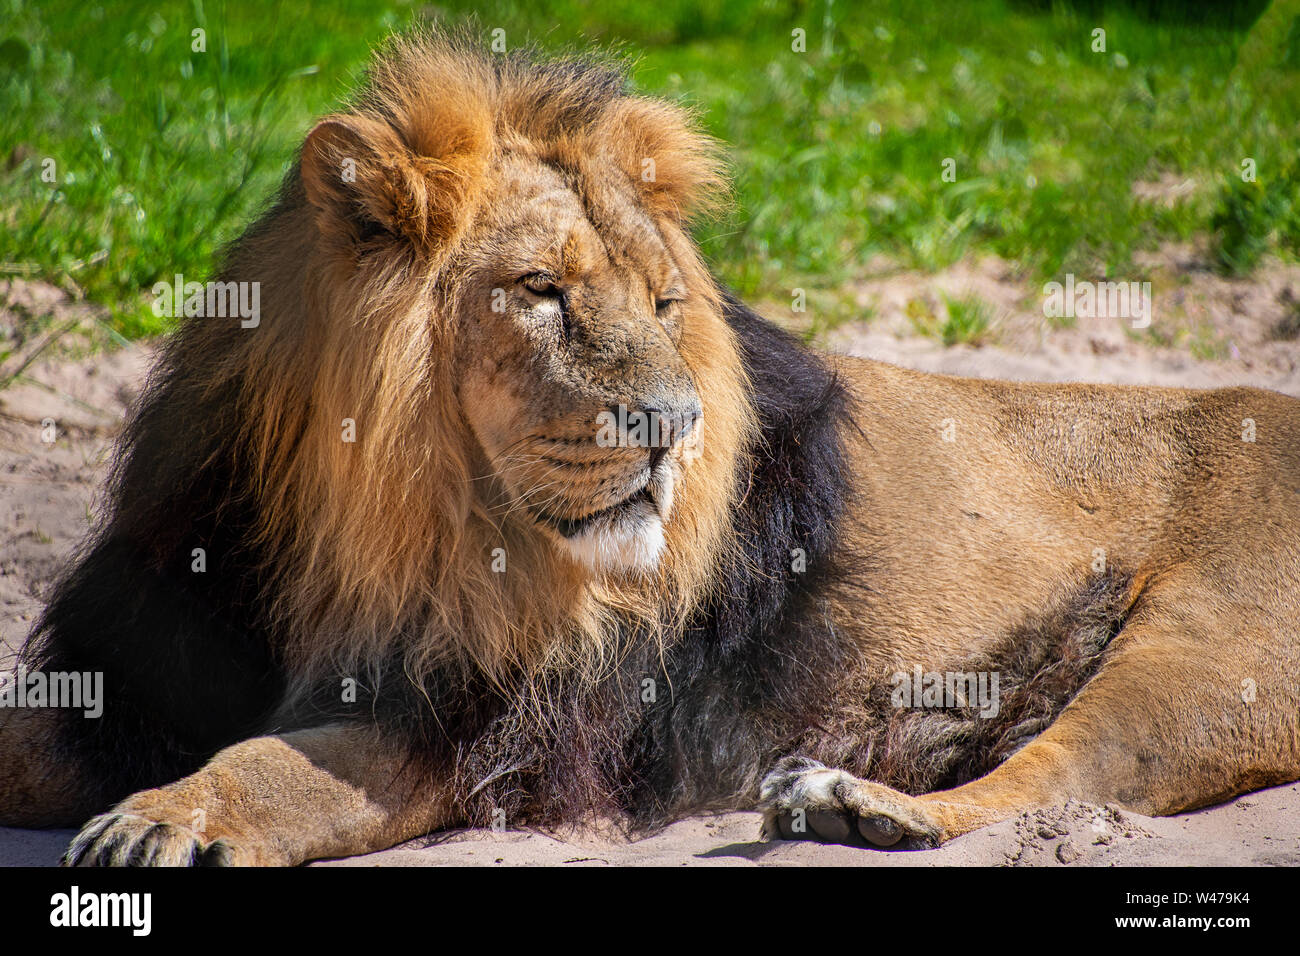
x=161 y=154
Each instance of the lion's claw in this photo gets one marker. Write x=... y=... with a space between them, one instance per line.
x=125 y=839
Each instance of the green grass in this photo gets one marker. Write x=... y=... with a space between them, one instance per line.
x=966 y=320
x=969 y=320
x=1255 y=217
x=161 y=154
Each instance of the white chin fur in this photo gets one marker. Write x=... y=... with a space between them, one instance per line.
x=633 y=544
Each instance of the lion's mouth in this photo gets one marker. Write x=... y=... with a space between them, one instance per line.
x=572 y=527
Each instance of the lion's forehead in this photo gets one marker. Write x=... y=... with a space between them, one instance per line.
x=579 y=223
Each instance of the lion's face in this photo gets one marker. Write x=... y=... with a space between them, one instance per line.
x=571 y=378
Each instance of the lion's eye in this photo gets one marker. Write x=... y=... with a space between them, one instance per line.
x=542 y=285
x=667 y=301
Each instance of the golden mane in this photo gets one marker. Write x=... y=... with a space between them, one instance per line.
x=385 y=545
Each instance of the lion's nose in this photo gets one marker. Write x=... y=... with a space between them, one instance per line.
x=670 y=422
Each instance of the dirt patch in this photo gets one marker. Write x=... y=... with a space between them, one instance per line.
x=1206 y=329
x=1077 y=832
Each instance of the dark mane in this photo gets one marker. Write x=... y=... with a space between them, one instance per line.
x=747 y=677
x=191 y=666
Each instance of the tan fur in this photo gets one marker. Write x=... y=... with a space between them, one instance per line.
x=467 y=419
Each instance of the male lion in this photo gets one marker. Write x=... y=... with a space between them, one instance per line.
x=402 y=556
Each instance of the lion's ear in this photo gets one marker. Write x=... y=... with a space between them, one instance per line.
x=678 y=169
x=359 y=174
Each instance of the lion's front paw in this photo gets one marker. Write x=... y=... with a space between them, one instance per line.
x=803 y=799
x=125 y=839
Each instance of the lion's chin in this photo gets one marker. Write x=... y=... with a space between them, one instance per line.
x=630 y=544
x=625 y=538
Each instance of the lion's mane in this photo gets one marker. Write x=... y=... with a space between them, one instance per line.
x=370 y=561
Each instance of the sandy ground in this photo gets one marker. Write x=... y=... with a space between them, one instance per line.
x=49 y=479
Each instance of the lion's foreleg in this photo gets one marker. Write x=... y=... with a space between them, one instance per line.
x=334 y=791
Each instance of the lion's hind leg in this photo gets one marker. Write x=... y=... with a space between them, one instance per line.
x=1197 y=702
